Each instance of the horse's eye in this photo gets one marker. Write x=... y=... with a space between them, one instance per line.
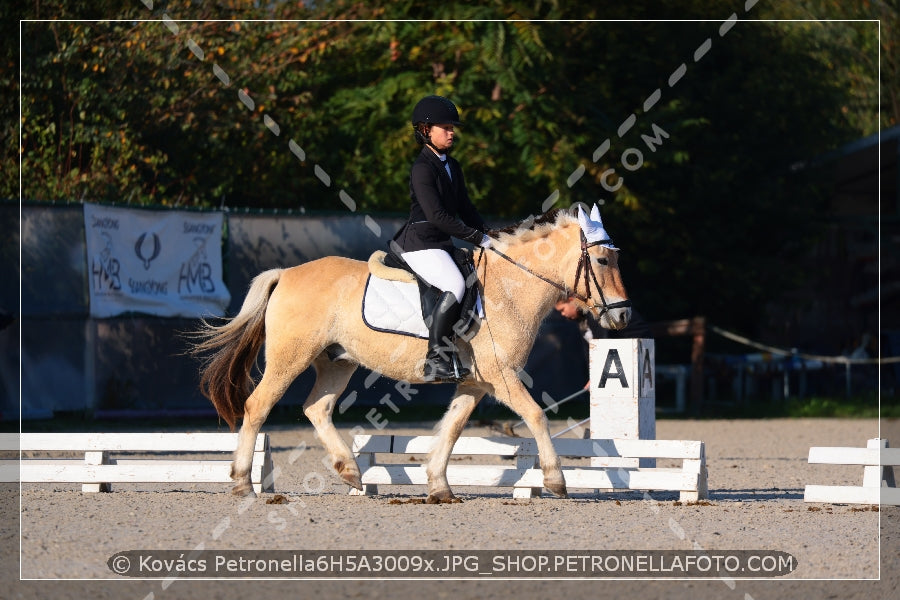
x=602 y=261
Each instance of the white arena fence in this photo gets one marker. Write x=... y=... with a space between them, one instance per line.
x=105 y=459
x=878 y=486
x=526 y=478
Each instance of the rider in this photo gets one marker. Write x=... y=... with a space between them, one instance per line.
x=440 y=209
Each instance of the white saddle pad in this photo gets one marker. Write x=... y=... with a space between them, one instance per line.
x=393 y=306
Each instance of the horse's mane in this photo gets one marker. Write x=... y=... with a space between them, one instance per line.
x=533 y=227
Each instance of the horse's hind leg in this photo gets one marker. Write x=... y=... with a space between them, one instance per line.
x=449 y=430
x=257 y=407
x=331 y=380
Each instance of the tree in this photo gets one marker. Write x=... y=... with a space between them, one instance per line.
x=273 y=114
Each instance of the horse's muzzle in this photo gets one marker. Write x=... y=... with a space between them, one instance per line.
x=616 y=314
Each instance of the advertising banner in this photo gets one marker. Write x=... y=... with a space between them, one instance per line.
x=160 y=262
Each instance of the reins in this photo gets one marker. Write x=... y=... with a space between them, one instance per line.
x=584 y=267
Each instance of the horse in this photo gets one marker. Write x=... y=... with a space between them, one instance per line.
x=308 y=314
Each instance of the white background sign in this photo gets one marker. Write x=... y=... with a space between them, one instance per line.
x=162 y=262
x=623 y=395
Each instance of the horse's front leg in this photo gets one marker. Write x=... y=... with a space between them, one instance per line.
x=448 y=431
x=516 y=396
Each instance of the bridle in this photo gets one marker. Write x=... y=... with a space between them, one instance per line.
x=584 y=267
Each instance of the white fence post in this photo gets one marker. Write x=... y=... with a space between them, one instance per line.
x=880 y=474
x=623 y=395
x=96 y=458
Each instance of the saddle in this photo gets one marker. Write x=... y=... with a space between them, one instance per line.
x=396 y=300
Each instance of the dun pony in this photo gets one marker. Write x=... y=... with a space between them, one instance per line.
x=309 y=313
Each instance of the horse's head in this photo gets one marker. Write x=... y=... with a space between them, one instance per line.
x=574 y=255
x=597 y=281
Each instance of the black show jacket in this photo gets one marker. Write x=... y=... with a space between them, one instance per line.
x=440 y=207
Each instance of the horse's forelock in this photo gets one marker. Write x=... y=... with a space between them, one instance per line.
x=534 y=227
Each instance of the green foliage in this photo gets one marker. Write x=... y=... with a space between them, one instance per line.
x=856 y=407
x=185 y=112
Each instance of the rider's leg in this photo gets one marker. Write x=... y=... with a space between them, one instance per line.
x=437 y=268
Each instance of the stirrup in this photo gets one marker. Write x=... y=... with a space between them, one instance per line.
x=461 y=371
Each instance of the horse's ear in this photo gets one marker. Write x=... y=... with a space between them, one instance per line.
x=583 y=220
x=593 y=227
x=592 y=231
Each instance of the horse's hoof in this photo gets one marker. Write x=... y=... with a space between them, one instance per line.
x=440 y=497
x=243 y=491
x=349 y=473
x=353 y=480
x=557 y=489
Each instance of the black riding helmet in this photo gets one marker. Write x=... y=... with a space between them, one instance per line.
x=433 y=110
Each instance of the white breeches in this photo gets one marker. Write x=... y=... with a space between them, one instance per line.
x=437 y=268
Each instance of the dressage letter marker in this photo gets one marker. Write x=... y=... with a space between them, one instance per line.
x=623 y=395
x=613 y=361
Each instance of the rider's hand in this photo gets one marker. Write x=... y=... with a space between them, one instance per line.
x=485 y=241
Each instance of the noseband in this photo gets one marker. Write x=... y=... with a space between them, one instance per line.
x=584 y=266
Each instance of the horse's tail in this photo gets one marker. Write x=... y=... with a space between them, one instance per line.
x=229 y=351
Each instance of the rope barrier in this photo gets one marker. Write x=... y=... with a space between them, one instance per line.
x=843 y=360
x=570 y=428
x=555 y=405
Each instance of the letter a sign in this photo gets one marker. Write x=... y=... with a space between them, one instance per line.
x=623 y=394
x=613 y=368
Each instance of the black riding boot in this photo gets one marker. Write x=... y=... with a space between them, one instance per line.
x=441 y=362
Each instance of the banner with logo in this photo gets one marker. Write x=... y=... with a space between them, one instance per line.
x=161 y=262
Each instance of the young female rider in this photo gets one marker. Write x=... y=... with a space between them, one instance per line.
x=440 y=209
